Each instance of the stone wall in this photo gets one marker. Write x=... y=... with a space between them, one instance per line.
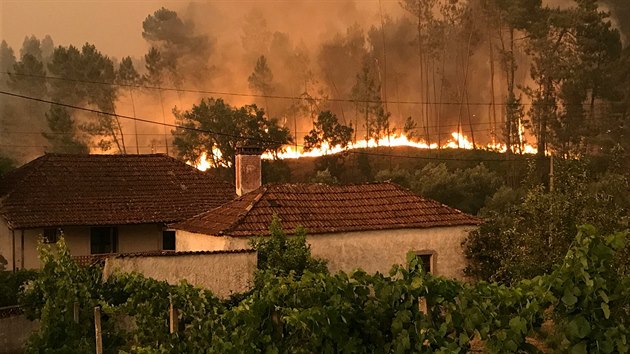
x=222 y=272
x=14 y=331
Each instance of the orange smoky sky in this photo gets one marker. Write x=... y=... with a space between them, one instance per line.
x=115 y=26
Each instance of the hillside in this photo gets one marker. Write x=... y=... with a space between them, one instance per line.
x=362 y=165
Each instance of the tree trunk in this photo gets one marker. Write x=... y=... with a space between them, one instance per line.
x=135 y=122
x=464 y=88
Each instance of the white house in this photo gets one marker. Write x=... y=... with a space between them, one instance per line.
x=370 y=226
x=103 y=204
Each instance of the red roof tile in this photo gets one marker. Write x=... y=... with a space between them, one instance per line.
x=64 y=190
x=325 y=209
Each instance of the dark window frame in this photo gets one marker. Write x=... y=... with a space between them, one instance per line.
x=51 y=235
x=432 y=260
x=169 y=244
x=108 y=246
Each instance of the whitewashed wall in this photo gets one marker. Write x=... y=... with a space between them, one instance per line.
x=373 y=251
x=223 y=273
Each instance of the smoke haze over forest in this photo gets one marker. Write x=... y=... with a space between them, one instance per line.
x=314 y=50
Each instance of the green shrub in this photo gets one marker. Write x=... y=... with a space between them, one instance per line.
x=11 y=283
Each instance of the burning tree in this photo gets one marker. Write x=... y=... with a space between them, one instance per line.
x=328 y=132
x=214 y=128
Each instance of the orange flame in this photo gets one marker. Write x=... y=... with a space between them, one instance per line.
x=457 y=141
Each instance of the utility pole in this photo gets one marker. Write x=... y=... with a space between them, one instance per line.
x=550 y=172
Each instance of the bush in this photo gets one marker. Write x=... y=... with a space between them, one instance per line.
x=525 y=236
x=11 y=283
x=60 y=284
x=281 y=255
x=587 y=300
x=466 y=190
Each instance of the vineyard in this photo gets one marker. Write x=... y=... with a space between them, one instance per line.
x=583 y=306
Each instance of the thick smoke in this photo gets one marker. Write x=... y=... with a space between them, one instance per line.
x=620 y=12
x=315 y=50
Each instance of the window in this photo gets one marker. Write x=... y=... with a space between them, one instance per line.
x=426 y=260
x=168 y=240
x=103 y=240
x=51 y=235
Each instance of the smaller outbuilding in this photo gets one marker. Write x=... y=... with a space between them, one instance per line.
x=369 y=226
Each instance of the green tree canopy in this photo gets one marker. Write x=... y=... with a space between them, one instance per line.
x=216 y=128
x=328 y=130
x=282 y=256
x=127 y=73
x=29 y=78
x=63 y=136
x=83 y=68
x=183 y=53
x=527 y=236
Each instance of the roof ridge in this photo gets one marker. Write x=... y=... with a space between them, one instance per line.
x=33 y=165
x=409 y=191
x=329 y=185
x=109 y=155
x=242 y=215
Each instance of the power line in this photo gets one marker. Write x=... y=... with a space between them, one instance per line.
x=283 y=97
x=136 y=119
x=179 y=133
x=220 y=133
x=353 y=151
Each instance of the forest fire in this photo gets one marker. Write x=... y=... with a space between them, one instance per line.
x=456 y=141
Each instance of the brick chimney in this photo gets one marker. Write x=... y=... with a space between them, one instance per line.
x=248 y=171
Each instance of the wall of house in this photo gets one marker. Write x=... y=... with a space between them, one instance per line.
x=78 y=239
x=131 y=238
x=190 y=241
x=28 y=238
x=221 y=273
x=6 y=245
x=139 y=238
x=377 y=251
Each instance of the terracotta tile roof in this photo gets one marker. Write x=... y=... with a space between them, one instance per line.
x=325 y=209
x=64 y=190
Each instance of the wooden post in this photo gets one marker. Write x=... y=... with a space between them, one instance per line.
x=174 y=319
x=97 y=330
x=75 y=311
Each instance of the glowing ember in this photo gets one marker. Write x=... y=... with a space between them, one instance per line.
x=457 y=141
